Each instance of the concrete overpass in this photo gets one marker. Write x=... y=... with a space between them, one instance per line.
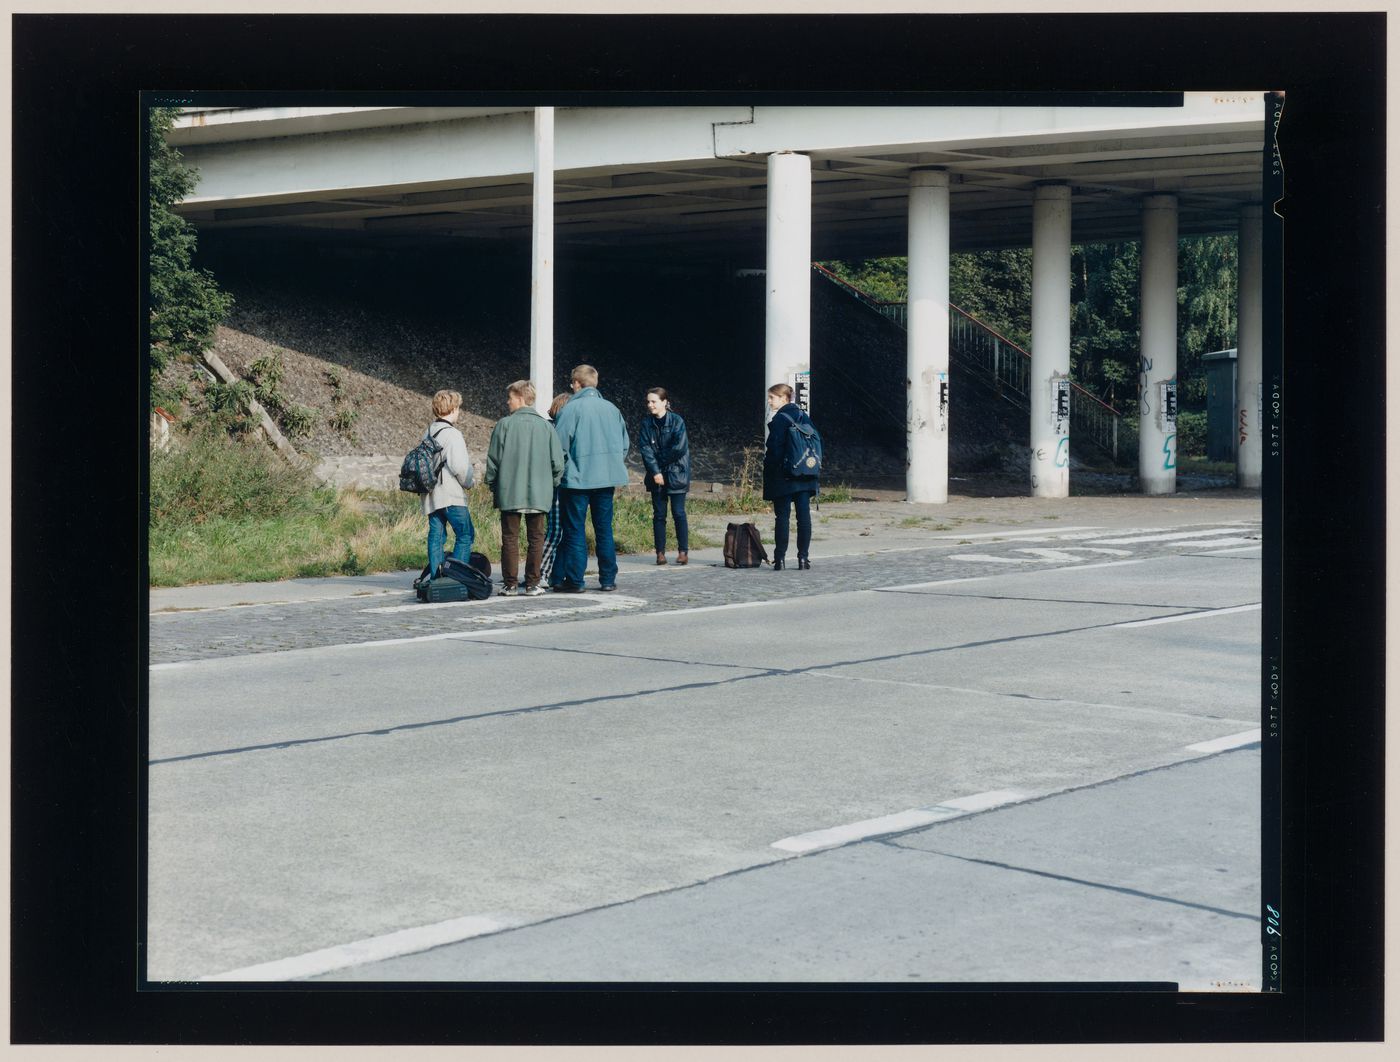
x=775 y=187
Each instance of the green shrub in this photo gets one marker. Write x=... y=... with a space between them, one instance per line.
x=1191 y=434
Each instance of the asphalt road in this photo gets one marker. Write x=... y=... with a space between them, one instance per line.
x=1026 y=753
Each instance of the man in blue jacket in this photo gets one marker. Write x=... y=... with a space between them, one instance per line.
x=594 y=437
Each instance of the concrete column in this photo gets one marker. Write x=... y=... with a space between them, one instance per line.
x=1157 y=354
x=926 y=372
x=1249 y=359
x=542 y=263
x=1050 y=306
x=788 y=309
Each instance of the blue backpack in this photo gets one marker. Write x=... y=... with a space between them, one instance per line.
x=803 y=455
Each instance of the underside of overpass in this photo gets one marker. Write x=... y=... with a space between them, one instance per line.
x=690 y=183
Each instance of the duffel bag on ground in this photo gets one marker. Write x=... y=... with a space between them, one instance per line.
x=743 y=547
x=468 y=574
x=435 y=590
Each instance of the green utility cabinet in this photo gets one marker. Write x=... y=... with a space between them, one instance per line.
x=1222 y=440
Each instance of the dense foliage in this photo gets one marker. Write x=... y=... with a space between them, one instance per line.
x=995 y=287
x=186 y=304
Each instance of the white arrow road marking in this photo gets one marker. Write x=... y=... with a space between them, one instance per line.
x=990 y=558
x=373 y=949
x=899 y=821
x=1217 y=542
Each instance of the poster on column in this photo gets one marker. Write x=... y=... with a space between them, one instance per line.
x=801 y=384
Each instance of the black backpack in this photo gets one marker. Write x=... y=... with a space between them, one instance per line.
x=803 y=455
x=422 y=466
x=743 y=547
x=473 y=579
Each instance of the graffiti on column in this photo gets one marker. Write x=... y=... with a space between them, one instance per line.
x=1244 y=426
x=1062 y=452
x=1169 y=448
x=1145 y=367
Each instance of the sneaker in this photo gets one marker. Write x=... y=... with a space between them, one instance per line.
x=568 y=588
x=509 y=591
x=534 y=591
x=607 y=589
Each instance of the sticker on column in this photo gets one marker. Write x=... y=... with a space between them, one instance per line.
x=1061 y=404
x=1259 y=402
x=1167 y=418
x=942 y=401
x=801 y=384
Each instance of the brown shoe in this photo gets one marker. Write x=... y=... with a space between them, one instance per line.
x=682 y=557
x=660 y=557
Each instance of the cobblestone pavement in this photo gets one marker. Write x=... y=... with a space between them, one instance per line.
x=865 y=545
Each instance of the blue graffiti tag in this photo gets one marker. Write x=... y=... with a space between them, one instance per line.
x=1062 y=452
x=1170 y=451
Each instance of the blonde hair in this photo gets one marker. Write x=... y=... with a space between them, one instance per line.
x=585 y=375
x=559 y=402
x=524 y=390
x=781 y=389
x=444 y=402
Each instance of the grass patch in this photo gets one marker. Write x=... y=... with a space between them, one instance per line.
x=228 y=511
x=846 y=516
x=836 y=494
x=924 y=522
x=1201 y=464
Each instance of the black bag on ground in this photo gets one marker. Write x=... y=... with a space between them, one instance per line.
x=435 y=590
x=469 y=575
x=743 y=547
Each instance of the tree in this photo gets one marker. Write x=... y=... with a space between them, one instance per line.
x=186 y=304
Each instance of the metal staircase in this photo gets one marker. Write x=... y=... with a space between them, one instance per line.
x=1005 y=368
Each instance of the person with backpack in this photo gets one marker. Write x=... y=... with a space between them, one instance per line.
x=523 y=464
x=595 y=441
x=665 y=451
x=446 y=502
x=791 y=469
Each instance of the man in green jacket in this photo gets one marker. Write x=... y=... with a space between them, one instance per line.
x=524 y=462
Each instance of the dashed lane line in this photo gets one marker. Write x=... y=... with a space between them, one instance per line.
x=1170 y=537
x=899 y=822
x=1232 y=741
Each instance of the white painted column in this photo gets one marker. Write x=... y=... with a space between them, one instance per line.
x=1050 y=307
x=788 y=309
x=926 y=371
x=542 y=263
x=1157 y=350
x=1249 y=358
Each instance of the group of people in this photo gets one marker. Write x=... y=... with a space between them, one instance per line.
x=555 y=473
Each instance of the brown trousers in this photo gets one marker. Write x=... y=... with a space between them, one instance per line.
x=510 y=547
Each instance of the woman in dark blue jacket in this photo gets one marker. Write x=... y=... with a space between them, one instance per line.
x=785 y=490
x=665 y=451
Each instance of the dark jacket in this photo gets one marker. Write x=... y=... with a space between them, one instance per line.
x=664 y=448
x=776 y=481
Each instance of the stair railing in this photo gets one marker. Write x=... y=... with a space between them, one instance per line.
x=1006 y=367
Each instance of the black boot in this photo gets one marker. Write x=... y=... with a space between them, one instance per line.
x=777 y=564
x=803 y=562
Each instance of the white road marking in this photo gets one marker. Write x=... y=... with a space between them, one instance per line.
x=718 y=608
x=898 y=822
x=1067 y=557
x=374 y=949
x=990 y=559
x=1171 y=537
x=1233 y=741
x=611 y=603
x=1243 y=549
x=1217 y=542
x=1207 y=614
x=1012 y=534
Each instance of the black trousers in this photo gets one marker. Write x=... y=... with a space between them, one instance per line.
x=782 y=510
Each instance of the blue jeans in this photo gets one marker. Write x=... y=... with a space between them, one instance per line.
x=802 y=500
x=658 y=521
x=573 y=550
x=461 y=520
